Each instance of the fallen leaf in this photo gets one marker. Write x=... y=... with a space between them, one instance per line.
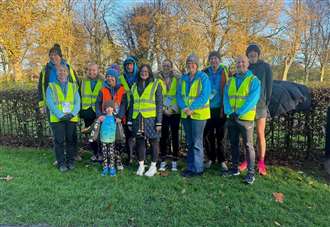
x=279 y=197
x=183 y=191
x=164 y=174
x=7 y=178
x=109 y=206
x=276 y=223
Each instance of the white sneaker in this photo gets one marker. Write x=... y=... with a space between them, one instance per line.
x=223 y=167
x=140 y=170
x=174 y=166
x=208 y=164
x=162 y=166
x=151 y=171
x=120 y=167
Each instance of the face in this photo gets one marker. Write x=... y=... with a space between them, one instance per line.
x=62 y=74
x=130 y=67
x=144 y=73
x=192 y=67
x=253 y=57
x=166 y=66
x=111 y=80
x=93 y=71
x=55 y=58
x=214 y=61
x=242 y=64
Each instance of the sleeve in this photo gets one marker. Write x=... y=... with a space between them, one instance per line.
x=179 y=97
x=202 y=99
x=76 y=107
x=269 y=83
x=51 y=105
x=227 y=107
x=159 y=105
x=123 y=107
x=98 y=105
x=252 y=99
x=130 y=109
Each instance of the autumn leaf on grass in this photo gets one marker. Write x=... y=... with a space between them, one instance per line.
x=7 y=178
x=279 y=197
x=163 y=174
x=276 y=223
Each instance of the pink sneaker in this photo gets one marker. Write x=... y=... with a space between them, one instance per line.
x=262 y=168
x=243 y=166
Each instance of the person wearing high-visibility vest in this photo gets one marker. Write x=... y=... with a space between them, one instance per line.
x=215 y=126
x=89 y=90
x=48 y=75
x=193 y=95
x=263 y=71
x=111 y=92
x=63 y=101
x=145 y=117
x=127 y=79
x=171 y=116
x=241 y=96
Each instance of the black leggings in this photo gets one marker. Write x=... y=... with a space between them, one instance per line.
x=170 y=123
x=141 y=149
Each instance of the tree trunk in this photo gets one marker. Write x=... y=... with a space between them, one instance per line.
x=286 y=66
x=306 y=75
x=17 y=72
x=322 y=71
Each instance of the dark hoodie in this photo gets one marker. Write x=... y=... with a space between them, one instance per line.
x=263 y=71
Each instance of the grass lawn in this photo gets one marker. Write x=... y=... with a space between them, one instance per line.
x=40 y=194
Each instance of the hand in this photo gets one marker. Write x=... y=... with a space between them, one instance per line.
x=101 y=118
x=158 y=128
x=43 y=110
x=233 y=116
x=66 y=117
x=167 y=112
x=189 y=112
x=118 y=120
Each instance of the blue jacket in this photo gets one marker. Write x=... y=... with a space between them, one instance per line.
x=52 y=106
x=108 y=129
x=251 y=100
x=202 y=99
x=215 y=80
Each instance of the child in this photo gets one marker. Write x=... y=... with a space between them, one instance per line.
x=108 y=138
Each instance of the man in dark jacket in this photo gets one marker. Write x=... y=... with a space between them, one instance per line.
x=264 y=73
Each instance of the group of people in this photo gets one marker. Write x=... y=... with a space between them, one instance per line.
x=151 y=106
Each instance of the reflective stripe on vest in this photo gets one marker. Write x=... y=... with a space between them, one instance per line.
x=88 y=97
x=146 y=103
x=237 y=97
x=202 y=113
x=59 y=99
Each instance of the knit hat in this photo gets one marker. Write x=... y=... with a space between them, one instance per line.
x=214 y=54
x=113 y=73
x=193 y=59
x=56 y=49
x=253 y=47
x=116 y=67
x=109 y=103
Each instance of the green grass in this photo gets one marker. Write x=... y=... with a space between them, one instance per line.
x=40 y=194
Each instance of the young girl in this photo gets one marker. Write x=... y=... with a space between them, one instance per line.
x=108 y=139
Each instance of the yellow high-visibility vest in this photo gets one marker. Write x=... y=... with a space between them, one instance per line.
x=237 y=97
x=202 y=113
x=146 y=103
x=59 y=99
x=88 y=97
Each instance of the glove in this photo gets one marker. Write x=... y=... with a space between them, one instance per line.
x=233 y=117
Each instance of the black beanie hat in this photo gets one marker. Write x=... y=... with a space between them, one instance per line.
x=253 y=47
x=56 y=49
